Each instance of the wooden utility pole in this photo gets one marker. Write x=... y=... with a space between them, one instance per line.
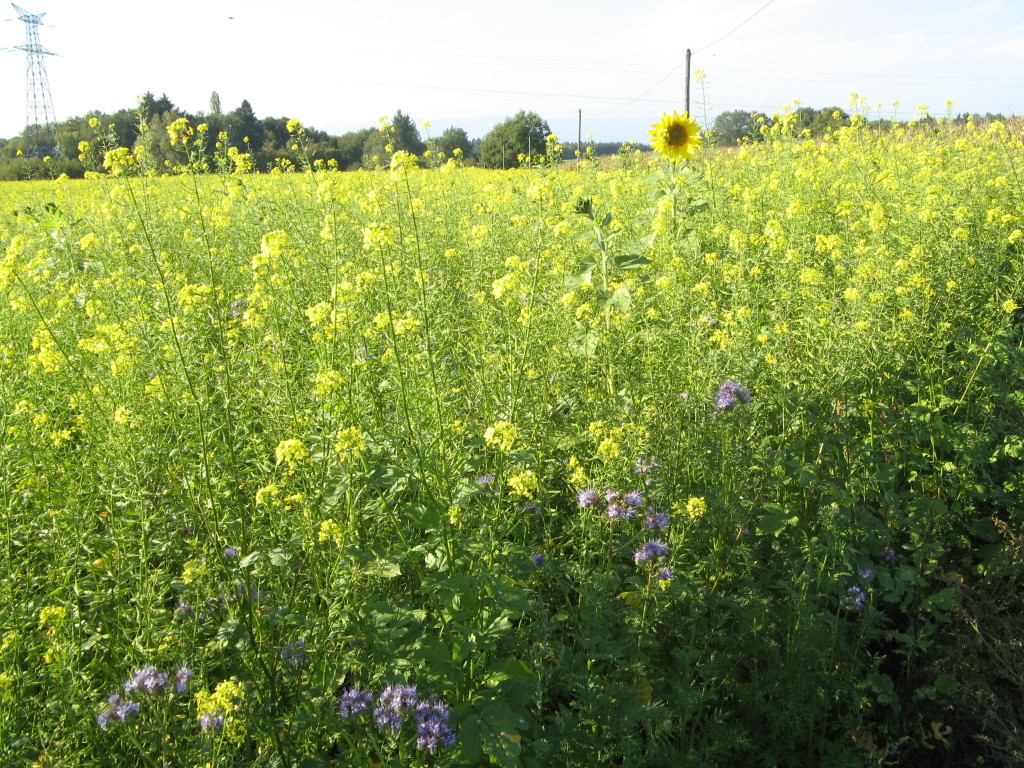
x=687 y=81
x=579 y=139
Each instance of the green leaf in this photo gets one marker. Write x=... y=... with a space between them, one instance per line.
x=774 y=522
x=250 y=560
x=507 y=669
x=279 y=557
x=945 y=684
x=391 y=478
x=384 y=569
x=630 y=261
x=499 y=734
x=422 y=516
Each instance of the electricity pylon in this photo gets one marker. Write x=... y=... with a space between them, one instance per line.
x=40 y=130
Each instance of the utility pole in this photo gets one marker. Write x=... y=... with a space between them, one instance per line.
x=579 y=139
x=40 y=132
x=687 y=81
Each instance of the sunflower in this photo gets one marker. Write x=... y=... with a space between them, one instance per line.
x=675 y=136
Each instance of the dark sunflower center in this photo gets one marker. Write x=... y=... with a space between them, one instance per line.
x=677 y=135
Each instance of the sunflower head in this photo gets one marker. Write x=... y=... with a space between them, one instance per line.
x=675 y=137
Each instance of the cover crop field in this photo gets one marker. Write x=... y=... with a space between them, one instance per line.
x=696 y=463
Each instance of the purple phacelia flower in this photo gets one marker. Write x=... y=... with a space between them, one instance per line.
x=856 y=597
x=665 y=574
x=644 y=466
x=866 y=575
x=484 y=480
x=539 y=559
x=730 y=393
x=181 y=680
x=294 y=654
x=655 y=520
x=610 y=495
x=230 y=552
x=650 y=550
x=588 y=498
x=617 y=511
x=391 y=705
x=211 y=721
x=633 y=499
x=148 y=680
x=353 y=701
x=432 y=729
x=890 y=556
x=118 y=711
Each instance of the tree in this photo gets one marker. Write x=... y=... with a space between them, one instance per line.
x=151 y=107
x=735 y=125
x=523 y=135
x=820 y=121
x=405 y=135
x=244 y=128
x=453 y=138
x=214 y=103
x=348 y=148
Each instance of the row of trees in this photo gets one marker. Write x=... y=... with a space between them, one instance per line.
x=266 y=143
x=78 y=144
x=736 y=126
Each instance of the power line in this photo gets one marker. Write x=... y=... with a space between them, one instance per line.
x=681 y=64
x=734 y=29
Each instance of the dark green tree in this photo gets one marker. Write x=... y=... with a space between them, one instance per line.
x=405 y=135
x=732 y=127
x=521 y=135
x=820 y=121
x=347 y=149
x=453 y=138
x=150 y=106
x=214 y=103
x=244 y=128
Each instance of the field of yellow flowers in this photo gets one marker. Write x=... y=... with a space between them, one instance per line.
x=705 y=462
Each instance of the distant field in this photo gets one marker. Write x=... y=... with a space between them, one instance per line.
x=711 y=465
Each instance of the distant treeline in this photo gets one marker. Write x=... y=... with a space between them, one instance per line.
x=240 y=140
x=739 y=126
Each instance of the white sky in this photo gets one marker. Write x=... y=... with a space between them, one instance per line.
x=339 y=66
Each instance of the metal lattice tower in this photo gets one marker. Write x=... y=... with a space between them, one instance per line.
x=40 y=129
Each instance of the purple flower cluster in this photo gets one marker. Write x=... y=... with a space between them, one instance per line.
x=211 y=721
x=645 y=466
x=651 y=550
x=148 y=681
x=890 y=556
x=353 y=701
x=856 y=598
x=623 y=506
x=393 y=706
x=294 y=654
x=730 y=393
x=118 y=711
x=432 y=729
